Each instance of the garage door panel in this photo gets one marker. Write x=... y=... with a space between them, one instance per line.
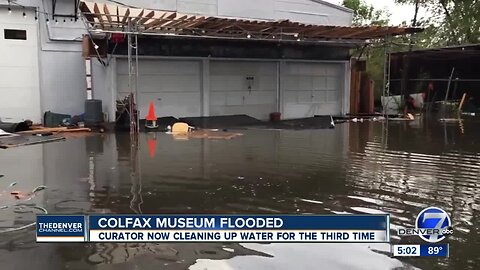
x=260 y=98
x=332 y=96
x=234 y=99
x=319 y=96
x=243 y=68
x=151 y=67
x=312 y=89
x=227 y=83
x=332 y=83
x=230 y=93
x=173 y=85
x=320 y=83
x=300 y=83
x=122 y=84
x=266 y=83
x=171 y=104
x=159 y=67
x=260 y=113
x=168 y=83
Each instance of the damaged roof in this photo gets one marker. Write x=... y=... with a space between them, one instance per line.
x=120 y=19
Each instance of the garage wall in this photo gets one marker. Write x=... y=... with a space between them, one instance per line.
x=312 y=89
x=173 y=85
x=230 y=93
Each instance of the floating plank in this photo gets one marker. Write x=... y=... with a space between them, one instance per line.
x=55 y=130
x=24 y=140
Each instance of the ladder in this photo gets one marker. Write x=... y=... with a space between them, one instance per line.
x=133 y=78
x=386 y=73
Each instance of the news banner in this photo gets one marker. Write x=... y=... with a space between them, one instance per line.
x=432 y=228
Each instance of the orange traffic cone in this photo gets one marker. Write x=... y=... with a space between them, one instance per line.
x=151 y=117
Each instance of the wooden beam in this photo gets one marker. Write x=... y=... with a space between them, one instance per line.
x=172 y=23
x=87 y=13
x=96 y=10
x=185 y=22
x=160 y=21
x=107 y=13
x=126 y=16
x=146 y=18
x=118 y=17
x=139 y=16
x=359 y=33
x=195 y=22
x=200 y=22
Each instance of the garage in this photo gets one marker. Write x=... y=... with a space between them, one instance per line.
x=173 y=85
x=242 y=87
x=19 y=86
x=236 y=87
x=311 y=89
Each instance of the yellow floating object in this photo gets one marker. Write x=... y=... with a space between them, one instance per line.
x=180 y=128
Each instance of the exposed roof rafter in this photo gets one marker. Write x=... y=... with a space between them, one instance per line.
x=158 y=22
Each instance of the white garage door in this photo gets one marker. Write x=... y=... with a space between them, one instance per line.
x=173 y=85
x=312 y=89
x=19 y=83
x=243 y=88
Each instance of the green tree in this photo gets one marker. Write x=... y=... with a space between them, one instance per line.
x=449 y=22
x=364 y=14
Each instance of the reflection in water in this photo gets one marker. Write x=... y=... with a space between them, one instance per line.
x=395 y=168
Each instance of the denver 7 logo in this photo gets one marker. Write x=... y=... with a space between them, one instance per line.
x=435 y=223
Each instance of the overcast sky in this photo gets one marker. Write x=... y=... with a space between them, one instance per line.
x=399 y=13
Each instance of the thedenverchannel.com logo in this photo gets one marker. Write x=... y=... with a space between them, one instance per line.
x=432 y=225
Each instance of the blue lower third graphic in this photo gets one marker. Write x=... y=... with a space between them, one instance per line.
x=51 y=228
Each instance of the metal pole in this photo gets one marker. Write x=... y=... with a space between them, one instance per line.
x=386 y=75
x=131 y=101
x=136 y=81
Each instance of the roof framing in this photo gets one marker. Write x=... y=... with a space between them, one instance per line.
x=120 y=19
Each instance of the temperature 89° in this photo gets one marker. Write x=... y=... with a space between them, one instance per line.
x=434 y=250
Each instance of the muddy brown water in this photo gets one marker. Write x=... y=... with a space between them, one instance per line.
x=398 y=168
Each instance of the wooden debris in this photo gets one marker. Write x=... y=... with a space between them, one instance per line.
x=11 y=142
x=207 y=134
x=55 y=130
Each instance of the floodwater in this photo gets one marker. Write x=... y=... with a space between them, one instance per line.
x=398 y=168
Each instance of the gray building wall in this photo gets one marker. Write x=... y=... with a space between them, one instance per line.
x=62 y=68
x=305 y=11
